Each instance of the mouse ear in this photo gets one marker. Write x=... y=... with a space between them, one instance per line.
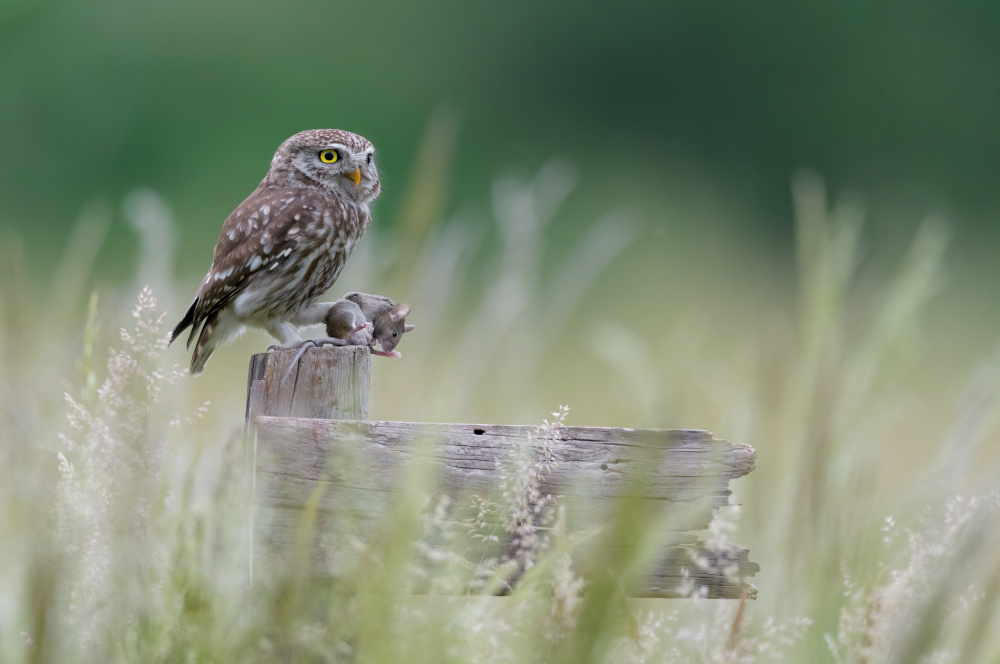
x=408 y=328
x=399 y=312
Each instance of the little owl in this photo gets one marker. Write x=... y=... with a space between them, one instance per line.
x=285 y=245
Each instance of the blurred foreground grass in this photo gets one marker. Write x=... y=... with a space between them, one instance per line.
x=120 y=506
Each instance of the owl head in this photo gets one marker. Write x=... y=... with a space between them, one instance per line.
x=338 y=161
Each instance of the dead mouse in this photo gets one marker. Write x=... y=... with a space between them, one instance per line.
x=360 y=319
x=387 y=318
x=346 y=325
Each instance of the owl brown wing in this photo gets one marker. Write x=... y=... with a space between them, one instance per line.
x=265 y=228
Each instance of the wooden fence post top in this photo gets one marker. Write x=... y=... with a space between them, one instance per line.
x=330 y=382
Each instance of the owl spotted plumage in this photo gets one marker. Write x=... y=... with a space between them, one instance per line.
x=285 y=245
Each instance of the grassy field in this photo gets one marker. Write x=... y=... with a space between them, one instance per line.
x=871 y=510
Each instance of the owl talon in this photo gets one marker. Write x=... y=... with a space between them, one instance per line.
x=303 y=347
x=291 y=346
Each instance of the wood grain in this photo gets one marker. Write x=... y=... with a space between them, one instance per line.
x=356 y=468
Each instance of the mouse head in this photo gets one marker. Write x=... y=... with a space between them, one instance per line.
x=387 y=318
x=390 y=324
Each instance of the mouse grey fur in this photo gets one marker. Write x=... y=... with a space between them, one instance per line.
x=346 y=322
x=388 y=320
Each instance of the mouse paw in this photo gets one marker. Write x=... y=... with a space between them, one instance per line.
x=387 y=353
x=362 y=335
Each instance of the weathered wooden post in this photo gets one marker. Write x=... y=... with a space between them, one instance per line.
x=300 y=419
x=329 y=383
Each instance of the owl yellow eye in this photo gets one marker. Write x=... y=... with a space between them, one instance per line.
x=329 y=156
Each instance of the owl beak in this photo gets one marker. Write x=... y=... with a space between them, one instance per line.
x=354 y=176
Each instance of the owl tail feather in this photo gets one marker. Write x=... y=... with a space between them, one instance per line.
x=185 y=322
x=206 y=344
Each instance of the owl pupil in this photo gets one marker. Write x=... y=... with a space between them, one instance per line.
x=369 y=157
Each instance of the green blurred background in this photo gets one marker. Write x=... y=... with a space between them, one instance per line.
x=691 y=116
x=896 y=99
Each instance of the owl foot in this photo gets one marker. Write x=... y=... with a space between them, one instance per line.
x=291 y=346
x=304 y=345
